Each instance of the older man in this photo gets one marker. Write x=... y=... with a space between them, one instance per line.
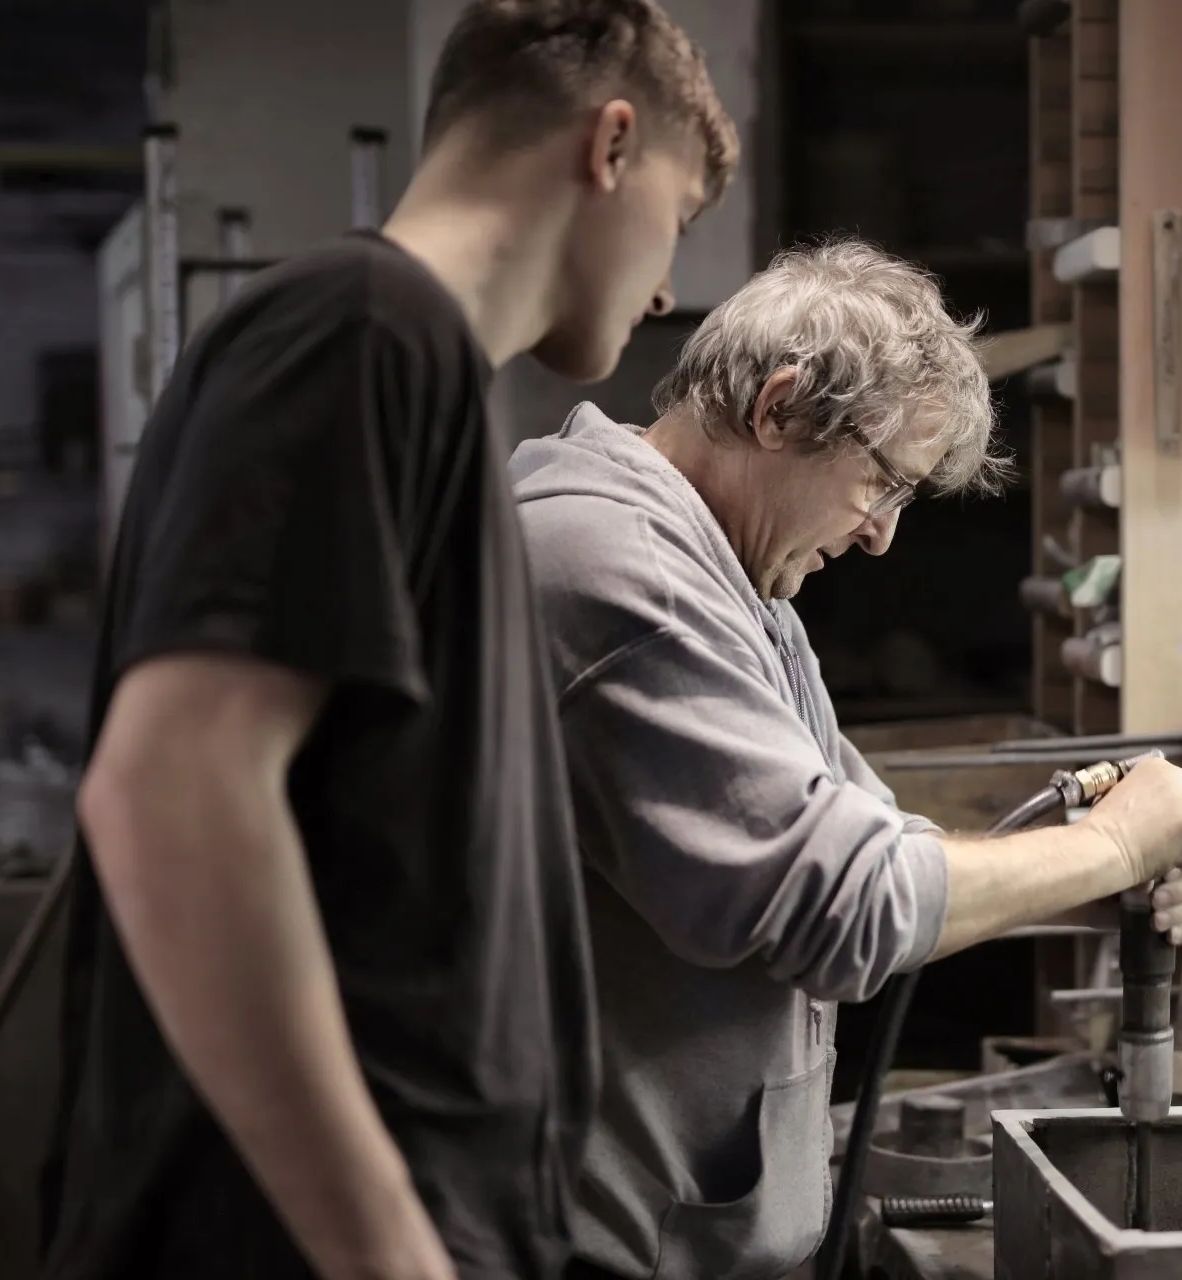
x=745 y=867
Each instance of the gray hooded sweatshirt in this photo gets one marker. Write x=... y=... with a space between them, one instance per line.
x=745 y=867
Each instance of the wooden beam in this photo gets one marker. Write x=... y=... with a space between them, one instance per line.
x=1151 y=508
x=1093 y=256
x=1010 y=352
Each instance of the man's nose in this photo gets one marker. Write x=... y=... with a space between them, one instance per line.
x=876 y=533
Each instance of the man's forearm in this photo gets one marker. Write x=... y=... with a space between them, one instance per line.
x=1001 y=883
x=207 y=883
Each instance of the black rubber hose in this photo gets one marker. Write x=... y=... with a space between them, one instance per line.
x=1038 y=806
x=880 y=1054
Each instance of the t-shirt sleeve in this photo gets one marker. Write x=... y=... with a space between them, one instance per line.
x=276 y=531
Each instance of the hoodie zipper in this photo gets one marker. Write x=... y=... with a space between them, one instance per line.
x=807 y=712
x=801 y=696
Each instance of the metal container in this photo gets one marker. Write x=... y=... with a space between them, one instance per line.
x=1060 y=1181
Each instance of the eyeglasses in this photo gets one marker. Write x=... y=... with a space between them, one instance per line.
x=899 y=492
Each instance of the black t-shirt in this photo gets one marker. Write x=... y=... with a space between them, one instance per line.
x=319 y=487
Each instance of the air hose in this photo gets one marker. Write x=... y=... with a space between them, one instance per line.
x=1066 y=790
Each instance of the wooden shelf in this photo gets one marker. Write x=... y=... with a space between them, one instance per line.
x=1091 y=257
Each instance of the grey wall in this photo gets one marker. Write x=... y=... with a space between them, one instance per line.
x=264 y=93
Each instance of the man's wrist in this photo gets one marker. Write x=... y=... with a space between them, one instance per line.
x=1127 y=865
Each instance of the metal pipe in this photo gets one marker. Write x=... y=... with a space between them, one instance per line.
x=1091 y=742
x=367 y=147
x=1072 y=995
x=234 y=246
x=910 y=760
x=161 y=254
x=1143 y=1181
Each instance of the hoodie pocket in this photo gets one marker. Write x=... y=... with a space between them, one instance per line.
x=778 y=1223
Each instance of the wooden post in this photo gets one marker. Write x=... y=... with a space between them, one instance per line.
x=1050 y=303
x=1094 y=103
x=1151 y=508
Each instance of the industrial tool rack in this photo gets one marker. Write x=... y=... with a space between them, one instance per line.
x=1105 y=239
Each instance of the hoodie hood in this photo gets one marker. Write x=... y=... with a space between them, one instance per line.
x=592 y=456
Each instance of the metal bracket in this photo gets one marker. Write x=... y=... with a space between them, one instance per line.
x=161 y=254
x=1167 y=329
x=366 y=156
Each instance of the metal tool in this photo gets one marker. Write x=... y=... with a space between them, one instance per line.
x=929 y=1155
x=933 y=1211
x=1145 y=1043
x=1067 y=789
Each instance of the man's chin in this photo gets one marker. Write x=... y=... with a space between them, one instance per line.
x=577 y=361
x=787 y=585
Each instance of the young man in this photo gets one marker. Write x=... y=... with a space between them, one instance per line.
x=745 y=867
x=328 y=1003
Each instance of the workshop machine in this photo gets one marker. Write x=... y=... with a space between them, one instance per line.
x=1064 y=1188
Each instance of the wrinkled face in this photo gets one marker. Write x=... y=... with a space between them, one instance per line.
x=618 y=258
x=806 y=506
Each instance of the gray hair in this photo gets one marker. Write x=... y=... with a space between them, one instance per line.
x=871 y=343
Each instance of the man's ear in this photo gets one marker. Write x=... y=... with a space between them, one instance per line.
x=772 y=423
x=613 y=144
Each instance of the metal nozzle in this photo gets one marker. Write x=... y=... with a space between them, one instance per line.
x=1095 y=780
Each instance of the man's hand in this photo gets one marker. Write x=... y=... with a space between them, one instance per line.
x=1142 y=816
x=1134 y=834
x=1104 y=913
x=1167 y=905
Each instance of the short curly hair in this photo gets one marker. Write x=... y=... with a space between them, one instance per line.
x=529 y=65
x=872 y=344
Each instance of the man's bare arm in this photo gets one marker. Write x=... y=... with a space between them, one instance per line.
x=186 y=814
x=1133 y=835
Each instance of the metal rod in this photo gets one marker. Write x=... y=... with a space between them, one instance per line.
x=161 y=254
x=1089 y=742
x=1132 y=1191
x=1068 y=995
x=367 y=147
x=1057 y=931
x=234 y=245
x=1143 y=1183
x=908 y=760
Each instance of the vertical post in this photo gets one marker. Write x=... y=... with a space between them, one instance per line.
x=1050 y=303
x=1151 y=504
x=162 y=310
x=1094 y=195
x=367 y=149
x=233 y=243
